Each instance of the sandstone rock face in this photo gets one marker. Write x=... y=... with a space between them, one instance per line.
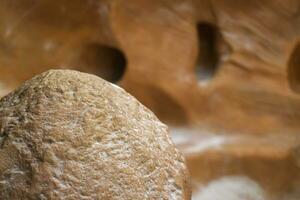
x=70 y=135
x=226 y=72
x=200 y=58
x=270 y=161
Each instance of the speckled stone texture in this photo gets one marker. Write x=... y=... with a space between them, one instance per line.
x=69 y=135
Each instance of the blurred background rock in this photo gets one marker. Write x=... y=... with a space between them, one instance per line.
x=224 y=75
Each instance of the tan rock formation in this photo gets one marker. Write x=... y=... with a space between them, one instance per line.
x=70 y=135
x=222 y=69
x=202 y=58
x=270 y=161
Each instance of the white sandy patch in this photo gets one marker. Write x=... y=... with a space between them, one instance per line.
x=230 y=188
x=190 y=141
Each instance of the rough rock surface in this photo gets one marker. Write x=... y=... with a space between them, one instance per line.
x=70 y=135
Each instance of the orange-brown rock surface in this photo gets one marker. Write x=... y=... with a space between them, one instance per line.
x=70 y=135
x=227 y=71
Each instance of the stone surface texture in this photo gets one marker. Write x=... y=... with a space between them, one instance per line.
x=69 y=135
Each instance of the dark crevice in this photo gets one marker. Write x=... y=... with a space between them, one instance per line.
x=208 y=53
x=106 y=62
x=294 y=69
x=3 y=137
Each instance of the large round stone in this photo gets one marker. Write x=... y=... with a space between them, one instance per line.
x=69 y=135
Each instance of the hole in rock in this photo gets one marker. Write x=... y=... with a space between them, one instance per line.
x=294 y=69
x=106 y=62
x=208 y=52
